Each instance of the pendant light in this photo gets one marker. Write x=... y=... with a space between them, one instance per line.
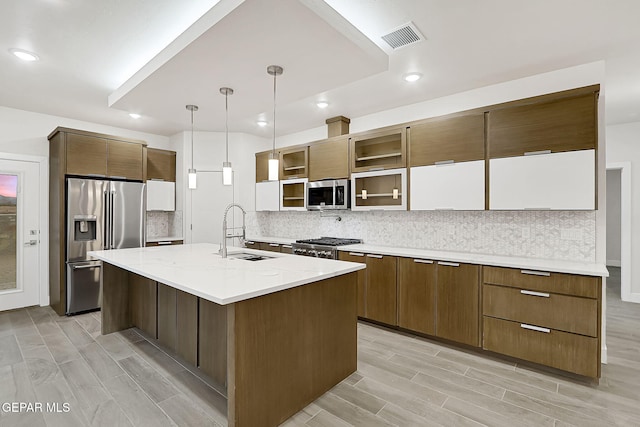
x=192 y=171
x=274 y=70
x=227 y=172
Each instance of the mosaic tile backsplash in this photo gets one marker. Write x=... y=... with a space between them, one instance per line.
x=566 y=235
x=164 y=224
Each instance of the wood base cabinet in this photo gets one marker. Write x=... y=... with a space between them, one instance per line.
x=377 y=286
x=458 y=302
x=417 y=295
x=543 y=317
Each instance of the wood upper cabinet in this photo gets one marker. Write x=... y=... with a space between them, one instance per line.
x=86 y=155
x=262 y=166
x=447 y=139
x=458 y=302
x=417 y=295
x=124 y=160
x=385 y=189
x=362 y=279
x=557 y=125
x=382 y=149
x=381 y=288
x=161 y=164
x=329 y=159
x=95 y=156
x=294 y=163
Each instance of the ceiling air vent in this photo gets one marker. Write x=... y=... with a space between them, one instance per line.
x=403 y=36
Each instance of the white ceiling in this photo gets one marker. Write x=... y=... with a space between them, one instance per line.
x=102 y=59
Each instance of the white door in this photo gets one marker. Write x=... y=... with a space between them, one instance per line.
x=19 y=233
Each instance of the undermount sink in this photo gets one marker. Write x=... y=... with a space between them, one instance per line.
x=248 y=257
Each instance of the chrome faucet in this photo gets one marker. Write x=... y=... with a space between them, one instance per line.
x=223 y=248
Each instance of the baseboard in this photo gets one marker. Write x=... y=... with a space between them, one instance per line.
x=603 y=355
x=632 y=297
x=614 y=263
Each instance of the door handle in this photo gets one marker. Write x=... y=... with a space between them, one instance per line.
x=78 y=267
x=374 y=256
x=449 y=264
x=423 y=261
x=535 y=328
x=31 y=243
x=535 y=294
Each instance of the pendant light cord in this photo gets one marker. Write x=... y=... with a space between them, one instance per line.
x=191 y=138
x=226 y=122
x=274 y=114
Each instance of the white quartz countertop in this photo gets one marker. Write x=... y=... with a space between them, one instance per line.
x=558 y=266
x=199 y=270
x=164 y=239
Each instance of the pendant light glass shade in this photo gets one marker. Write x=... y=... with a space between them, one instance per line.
x=192 y=181
x=274 y=164
x=227 y=172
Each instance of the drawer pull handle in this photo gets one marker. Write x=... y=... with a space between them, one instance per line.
x=536 y=273
x=249 y=242
x=275 y=245
x=449 y=264
x=423 y=261
x=286 y=246
x=535 y=294
x=535 y=328
x=356 y=254
x=374 y=256
x=164 y=243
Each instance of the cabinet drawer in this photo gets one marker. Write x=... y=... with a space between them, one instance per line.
x=561 y=312
x=562 y=350
x=558 y=283
x=164 y=243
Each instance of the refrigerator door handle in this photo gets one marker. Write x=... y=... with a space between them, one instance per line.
x=105 y=221
x=112 y=207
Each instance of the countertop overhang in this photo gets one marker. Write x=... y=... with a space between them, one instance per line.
x=198 y=269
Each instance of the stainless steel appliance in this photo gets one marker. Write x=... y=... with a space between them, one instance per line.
x=328 y=194
x=100 y=215
x=324 y=247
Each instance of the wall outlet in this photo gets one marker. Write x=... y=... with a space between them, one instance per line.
x=570 y=234
x=526 y=232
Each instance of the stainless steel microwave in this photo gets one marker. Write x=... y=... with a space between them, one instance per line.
x=328 y=194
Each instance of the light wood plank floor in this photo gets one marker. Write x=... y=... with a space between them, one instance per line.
x=124 y=380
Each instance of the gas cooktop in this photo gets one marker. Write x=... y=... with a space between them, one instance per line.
x=330 y=241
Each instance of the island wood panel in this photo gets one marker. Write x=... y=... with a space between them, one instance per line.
x=57 y=261
x=212 y=338
x=457 y=138
x=329 y=159
x=558 y=283
x=86 y=155
x=161 y=164
x=564 y=124
x=562 y=350
x=167 y=328
x=565 y=313
x=417 y=295
x=458 y=303
x=381 y=289
x=187 y=327
x=124 y=160
x=143 y=297
x=115 y=299
x=362 y=279
x=290 y=348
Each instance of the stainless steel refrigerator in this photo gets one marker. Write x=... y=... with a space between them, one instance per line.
x=100 y=215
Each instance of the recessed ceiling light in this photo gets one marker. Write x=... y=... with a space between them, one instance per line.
x=322 y=104
x=412 y=77
x=134 y=115
x=24 y=55
x=261 y=123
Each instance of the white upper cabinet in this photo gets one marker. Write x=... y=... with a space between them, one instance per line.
x=293 y=194
x=161 y=196
x=448 y=186
x=559 y=181
x=268 y=196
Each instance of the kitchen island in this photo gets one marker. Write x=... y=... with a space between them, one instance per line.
x=272 y=335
